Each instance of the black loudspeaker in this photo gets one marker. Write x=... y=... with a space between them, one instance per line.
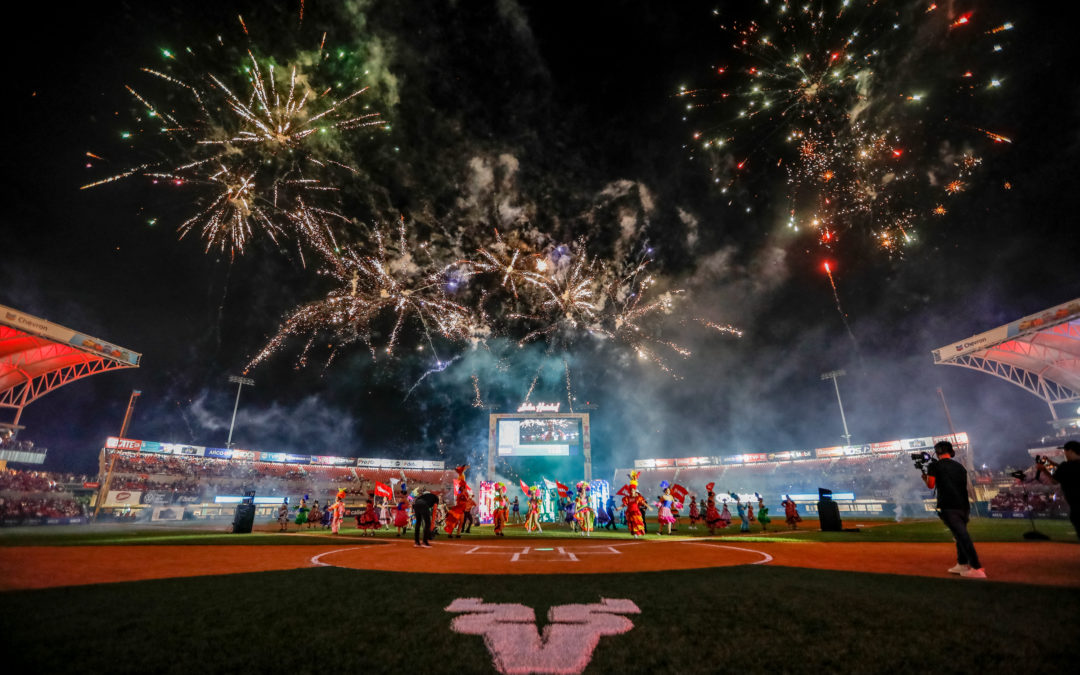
x=829 y=515
x=243 y=518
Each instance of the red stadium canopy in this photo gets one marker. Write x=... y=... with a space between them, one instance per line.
x=1040 y=353
x=38 y=356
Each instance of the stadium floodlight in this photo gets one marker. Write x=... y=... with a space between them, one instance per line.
x=239 y=382
x=832 y=375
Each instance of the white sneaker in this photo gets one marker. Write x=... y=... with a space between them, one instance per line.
x=959 y=569
x=974 y=574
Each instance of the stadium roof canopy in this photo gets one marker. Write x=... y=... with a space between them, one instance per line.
x=1040 y=353
x=38 y=356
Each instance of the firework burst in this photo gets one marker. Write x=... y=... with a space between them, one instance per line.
x=846 y=98
x=260 y=162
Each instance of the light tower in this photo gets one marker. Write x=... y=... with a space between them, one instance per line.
x=240 y=382
x=832 y=375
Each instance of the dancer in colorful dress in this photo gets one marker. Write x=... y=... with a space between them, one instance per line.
x=725 y=516
x=712 y=517
x=384 y=514
x=791 y=513
x=337 y=512
x=633 y=503
x=567 y=506
x=401 y=515
x=283 y=516
x=532 y=518
x=456 y=515
x=695 y=515
x=301 y=511
x=499 y=509
x=368 y=521
x=749 y=512
x=665 y=516
x=314 y=516
x=583 y=511
x=745 y=527
x=763 y=514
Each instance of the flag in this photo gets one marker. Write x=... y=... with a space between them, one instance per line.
x=678 y=492
x=709 y=487
x=524 y=487
x=550 y=485
x=563 y=490
x=624 y=490
x=383 y=490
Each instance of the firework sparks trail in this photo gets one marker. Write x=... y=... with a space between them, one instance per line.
x=569 y=391
x=478 y=402
x=825 y=91
x=439 y=367
x=839 y=308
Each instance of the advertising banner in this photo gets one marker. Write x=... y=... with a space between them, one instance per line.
x=123 y=498
x=692 y=461
x=220 y=453
x=733 y=459
x=114 y=443
x=271 y=456
x=888 y=446
x=917 y=443
x=331 y=461
x=854 y=450
x=972 y=344
x=956 y=439
x=58 y=333
x=644 y=463
x=836 y=451
x=751 y=457
x=246 y=455
x=297 y=459
x=157 y=497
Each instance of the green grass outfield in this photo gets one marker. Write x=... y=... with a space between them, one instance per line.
x=981 y=529
x=752 y=619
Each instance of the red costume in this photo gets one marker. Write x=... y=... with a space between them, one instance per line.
x=695 y=515
x=463 y=503
x=500 y=512
x=634 y=504
x=791 y=513
x=369 y=519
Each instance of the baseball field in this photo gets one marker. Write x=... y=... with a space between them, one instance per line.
x=878 y=598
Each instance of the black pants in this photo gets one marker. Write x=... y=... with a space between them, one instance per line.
x=956 y=520
x=610 y=522
x=423 y=522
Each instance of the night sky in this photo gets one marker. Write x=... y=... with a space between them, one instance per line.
x=572 y=108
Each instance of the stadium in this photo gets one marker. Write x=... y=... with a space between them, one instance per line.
x=170 y=532
x=528 y=337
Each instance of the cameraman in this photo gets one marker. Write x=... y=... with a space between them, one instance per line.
x=949 y=478
x=1067 y=475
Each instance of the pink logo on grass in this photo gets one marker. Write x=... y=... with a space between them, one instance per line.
x=567 y=642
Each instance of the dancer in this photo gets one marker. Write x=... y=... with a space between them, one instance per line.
x=532 y=518
x=712 y=517
x=664 y=516
x=368 y=521
x=460 y=512
x=791 y=513
x=745 y=527
x=763 y=514
x=301 y=512
x=515 y=512
x=283 y=516
x=314 y=516
x=401 y=515
x=499 y=509
x=337 y=512
x=633 y=502
x=749 y=512
x=384 y=514
x=583 y=512
x=725 y=516
x=568 y=513
x=695 y=516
